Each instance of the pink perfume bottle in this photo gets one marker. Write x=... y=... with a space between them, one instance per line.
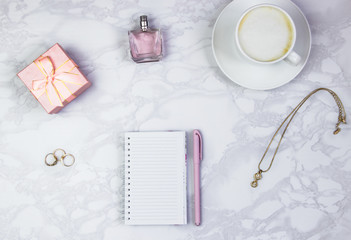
x=145 y=43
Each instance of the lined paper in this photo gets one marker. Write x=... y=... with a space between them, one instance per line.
x=155 y=178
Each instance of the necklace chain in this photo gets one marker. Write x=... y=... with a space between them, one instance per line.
x=341 y=119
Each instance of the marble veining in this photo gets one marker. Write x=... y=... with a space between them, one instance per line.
x=306 y=194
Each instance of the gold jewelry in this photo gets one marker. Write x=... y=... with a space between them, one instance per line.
x=341 y=119
x=62 y=158
x=50 y=163
x=59 y=150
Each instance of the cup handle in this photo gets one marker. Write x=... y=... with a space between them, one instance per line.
x=293 y=58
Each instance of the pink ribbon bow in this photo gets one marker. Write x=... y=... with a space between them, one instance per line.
x=54 y=81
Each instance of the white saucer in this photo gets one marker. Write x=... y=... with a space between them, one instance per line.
x=243 y=71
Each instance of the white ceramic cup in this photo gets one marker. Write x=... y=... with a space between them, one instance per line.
x=290 y=56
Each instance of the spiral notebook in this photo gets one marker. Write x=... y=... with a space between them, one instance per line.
x=155 y=178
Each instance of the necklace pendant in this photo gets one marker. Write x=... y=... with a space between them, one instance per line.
x=257 y=176
x=254 y=184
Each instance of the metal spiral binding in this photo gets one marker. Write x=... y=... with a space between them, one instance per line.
x=128 y=180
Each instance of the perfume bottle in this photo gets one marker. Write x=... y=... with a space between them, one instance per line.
x=145 y=43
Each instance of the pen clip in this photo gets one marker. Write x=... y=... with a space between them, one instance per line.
x=197 y=133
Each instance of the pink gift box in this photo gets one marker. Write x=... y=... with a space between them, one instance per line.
x=54 y=79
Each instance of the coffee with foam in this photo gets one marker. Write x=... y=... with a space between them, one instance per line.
x=266 y=34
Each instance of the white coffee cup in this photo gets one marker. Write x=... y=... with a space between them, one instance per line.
x=266 y=34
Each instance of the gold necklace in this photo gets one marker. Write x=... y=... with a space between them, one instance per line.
x=341 y=119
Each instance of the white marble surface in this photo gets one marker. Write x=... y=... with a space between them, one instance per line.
x=307 y=193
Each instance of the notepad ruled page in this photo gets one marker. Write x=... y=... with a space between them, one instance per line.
x=155 y=178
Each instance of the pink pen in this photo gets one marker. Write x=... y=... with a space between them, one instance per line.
x=197 y=159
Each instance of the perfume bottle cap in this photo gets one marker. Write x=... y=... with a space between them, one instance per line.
x=144 y=23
